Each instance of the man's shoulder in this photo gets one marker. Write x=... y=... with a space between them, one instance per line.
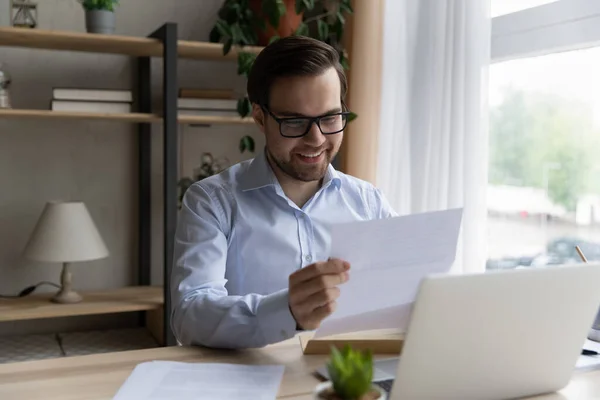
x=354 y=184
x=226 y=180
x=367 y=194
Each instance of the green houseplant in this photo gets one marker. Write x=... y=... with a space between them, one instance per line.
x=351 y=373
x=259 y=22
x=100 y=15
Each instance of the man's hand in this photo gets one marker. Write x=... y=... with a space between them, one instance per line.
x=313 y=291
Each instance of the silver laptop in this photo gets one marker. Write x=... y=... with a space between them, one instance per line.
x=497 y=335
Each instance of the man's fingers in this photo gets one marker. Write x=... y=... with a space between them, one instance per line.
x=333 y=266
x=322 y=282
x=319 y=299
x=324 y=311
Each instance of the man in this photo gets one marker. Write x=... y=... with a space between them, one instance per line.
x=251 y=264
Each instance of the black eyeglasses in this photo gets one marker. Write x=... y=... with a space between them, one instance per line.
x=294 y=127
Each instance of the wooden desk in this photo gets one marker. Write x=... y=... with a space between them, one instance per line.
x=98 y=377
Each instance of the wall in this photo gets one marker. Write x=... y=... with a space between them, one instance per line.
x=95 y=161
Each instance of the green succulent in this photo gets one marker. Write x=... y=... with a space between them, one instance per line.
x=108 y=5
x=351 y=372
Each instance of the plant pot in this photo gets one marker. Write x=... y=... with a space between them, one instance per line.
x=100 y=21
x=288 y=24
x=321 y=390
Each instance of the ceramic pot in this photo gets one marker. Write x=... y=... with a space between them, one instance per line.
x=100 y=21
x=287 y=24
x=321 y=387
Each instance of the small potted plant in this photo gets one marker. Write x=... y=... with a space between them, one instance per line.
x=351 y=374
x=100 y=15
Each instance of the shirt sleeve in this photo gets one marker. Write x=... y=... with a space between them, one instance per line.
x=203 y=313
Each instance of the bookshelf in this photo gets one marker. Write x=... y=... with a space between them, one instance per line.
x=163 y=44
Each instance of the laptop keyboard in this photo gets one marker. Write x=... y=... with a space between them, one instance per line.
x=386 y=385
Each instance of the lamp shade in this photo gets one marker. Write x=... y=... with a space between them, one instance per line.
x=65 y=232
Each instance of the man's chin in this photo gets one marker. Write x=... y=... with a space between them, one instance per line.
x=309 y=173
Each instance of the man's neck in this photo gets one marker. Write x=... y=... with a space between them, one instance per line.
x=297 y=191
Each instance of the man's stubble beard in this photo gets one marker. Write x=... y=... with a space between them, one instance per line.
x=307 y=172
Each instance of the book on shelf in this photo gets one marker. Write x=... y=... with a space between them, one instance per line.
x=104 y=101
x=116 y=96
x=191 y=93
x=91 y=106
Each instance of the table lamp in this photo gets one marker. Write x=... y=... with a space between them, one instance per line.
x=65 y=233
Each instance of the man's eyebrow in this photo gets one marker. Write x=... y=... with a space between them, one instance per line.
x=285 y=113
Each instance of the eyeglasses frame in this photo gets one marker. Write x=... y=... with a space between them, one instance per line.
x=311 y=120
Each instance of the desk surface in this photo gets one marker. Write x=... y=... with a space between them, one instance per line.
x=98 y=377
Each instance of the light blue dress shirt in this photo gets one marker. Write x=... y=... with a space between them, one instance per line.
x=239 y=238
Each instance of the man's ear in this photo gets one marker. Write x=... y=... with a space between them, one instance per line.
x=259 y=116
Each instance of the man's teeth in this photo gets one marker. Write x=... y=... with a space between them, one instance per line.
x=310 y=155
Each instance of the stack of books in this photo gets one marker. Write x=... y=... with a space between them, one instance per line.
x=100 y=101
x=207 y=102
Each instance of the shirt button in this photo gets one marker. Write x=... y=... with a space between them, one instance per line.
x=308 y=258
x=284 y=333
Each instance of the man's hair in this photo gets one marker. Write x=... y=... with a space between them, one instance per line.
x=292 y=56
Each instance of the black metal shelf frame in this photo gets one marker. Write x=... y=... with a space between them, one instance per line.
x=167 y=34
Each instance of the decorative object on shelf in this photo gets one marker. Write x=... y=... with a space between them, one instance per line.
x=260 y=22
x=350 y=372
x=100 y=15
x=65 y=233
x=24 y=14
x=5 y=81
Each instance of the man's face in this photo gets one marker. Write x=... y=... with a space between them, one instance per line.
x=304 y=158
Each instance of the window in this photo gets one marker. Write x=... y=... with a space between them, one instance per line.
x=544 y=168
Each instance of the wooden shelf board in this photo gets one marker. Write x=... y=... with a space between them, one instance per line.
x=44 y=114
x=210 y=51
x=216 y=120
x=128 y=299
x=76 y=41
x=131 y=117
x=112 y=44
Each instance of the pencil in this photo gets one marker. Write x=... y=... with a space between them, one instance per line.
x=581 y=254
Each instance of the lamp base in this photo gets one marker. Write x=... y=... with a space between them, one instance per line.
x=67 y=297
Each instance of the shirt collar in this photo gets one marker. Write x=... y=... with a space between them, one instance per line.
x=259 y=174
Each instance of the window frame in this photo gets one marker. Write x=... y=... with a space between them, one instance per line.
x=550 y=28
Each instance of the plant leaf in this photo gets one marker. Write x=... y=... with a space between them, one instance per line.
x=244 y=107
x=236 y=33
x=223 y=28
x=247 y=143
x=227 y=46
x=215 y=35
x=274 y=10
x=310 y=4
x=352 y=116
x=302 y=30
x=274 y=38
x=245 y=62
x=346 y=6
x=323 y=29
x=300 y=6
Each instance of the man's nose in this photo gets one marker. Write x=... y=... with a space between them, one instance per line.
x=314 y=136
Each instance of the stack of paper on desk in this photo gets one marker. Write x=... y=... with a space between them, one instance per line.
x=169 y=380
x=388 y=259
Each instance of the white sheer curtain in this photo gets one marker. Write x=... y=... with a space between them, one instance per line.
x=433 y=140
